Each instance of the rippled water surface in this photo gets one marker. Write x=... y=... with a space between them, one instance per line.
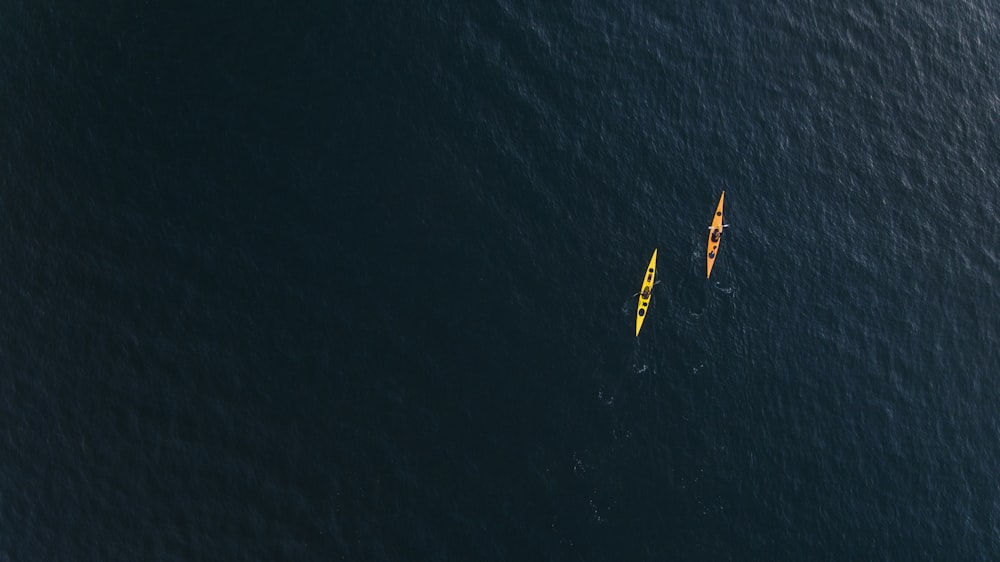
x=356 y=281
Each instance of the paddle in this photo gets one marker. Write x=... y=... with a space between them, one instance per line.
x=655 y=283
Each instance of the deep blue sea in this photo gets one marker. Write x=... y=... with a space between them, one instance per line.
x=319 y=280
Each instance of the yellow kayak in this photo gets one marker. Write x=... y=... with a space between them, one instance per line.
x=645 y=293
x=714 y=236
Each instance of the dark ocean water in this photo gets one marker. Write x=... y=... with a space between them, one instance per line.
x=353 y=281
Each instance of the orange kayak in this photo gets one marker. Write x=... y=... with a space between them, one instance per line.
x=714 y=236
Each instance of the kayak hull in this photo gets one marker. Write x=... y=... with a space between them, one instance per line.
x=649 y=277
x=714 y=237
